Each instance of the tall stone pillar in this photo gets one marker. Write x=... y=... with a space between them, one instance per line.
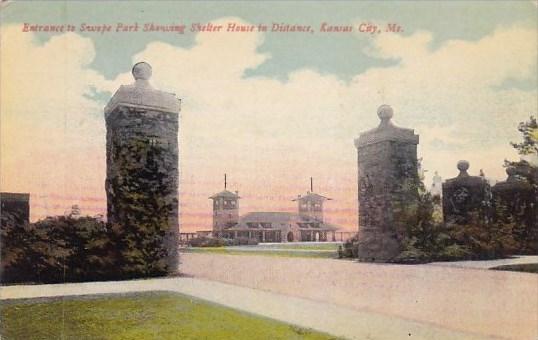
x=142 y=173
x=388 y=187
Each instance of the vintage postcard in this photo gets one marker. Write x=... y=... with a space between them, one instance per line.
x=269 y=169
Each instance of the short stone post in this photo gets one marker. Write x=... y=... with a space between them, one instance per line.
x=466 y=199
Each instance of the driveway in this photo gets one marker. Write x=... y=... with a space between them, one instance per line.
x=475 y=301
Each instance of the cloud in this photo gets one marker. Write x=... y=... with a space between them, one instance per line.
x=270 y=135
x=51 y=131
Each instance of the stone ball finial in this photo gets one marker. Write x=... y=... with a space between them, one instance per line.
x=511 y=171
x=385 y=112
x=141 y=70
x=463 y=166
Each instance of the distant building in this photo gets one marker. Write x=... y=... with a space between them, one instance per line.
x=15 y=207
x=437 y=185
x=306 y=225
x=225 y=210
x=74 y=212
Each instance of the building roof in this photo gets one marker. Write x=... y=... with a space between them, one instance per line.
x=225 y=194
x=266 y=216
x=386 y=131
x=464 y=178
x=280 y=219
x=142 y=95
x=312 y=196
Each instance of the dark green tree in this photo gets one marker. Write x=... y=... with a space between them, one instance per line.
x=527 y=170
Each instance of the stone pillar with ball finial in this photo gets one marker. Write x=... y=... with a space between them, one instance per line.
x=466 y=198
x=388 y=185
x=514 y=201
x=142 y=174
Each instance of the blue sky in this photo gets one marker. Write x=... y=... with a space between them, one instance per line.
x=271 y=108
x=339 y=55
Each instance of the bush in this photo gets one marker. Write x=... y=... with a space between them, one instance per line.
x=58 y=249
x=412 y=256
x=350 y=248
x=204 y=241
x=486 y=241
x=454 y=252
x=244 y=241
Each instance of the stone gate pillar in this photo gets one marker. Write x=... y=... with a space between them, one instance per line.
x=466 y=198
x=388 y=187
x=142 y=172
x=514 y=200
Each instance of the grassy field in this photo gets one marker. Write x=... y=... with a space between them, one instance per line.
x=154 y=315
x=325 y=254
x=309 y=250
x=525 y=267
x=300 y=246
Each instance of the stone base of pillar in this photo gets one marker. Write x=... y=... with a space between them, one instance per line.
x=378 y=247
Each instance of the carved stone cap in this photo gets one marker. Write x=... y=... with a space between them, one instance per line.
x=386 y=131
x=464 y=178
x=142 y=95
x=463 y=166
x=511 y=172
x=512 y=182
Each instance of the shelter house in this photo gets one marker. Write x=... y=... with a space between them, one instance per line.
x=307 y=225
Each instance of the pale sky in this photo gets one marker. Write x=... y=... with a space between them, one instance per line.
x=269 y=109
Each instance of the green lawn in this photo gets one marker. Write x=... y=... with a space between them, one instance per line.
x=301 y=246
x=278 y=252
x=527 y=267
x=154 y=315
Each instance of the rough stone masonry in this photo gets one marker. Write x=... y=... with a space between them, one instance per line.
x=142 y=168
x=466 y=198
x=388 y=187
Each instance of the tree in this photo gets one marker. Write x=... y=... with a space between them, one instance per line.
x=526 y=169
x=529 y=130
x=528 y=148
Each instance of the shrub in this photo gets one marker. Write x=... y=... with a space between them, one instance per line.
x=454 y=252
x=204 y=241
x=486 y=241
x=412 y=256
x=244 y=241
x=350 y=248
x=58 y=249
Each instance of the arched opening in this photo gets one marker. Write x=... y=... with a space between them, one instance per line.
x=290 y=237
